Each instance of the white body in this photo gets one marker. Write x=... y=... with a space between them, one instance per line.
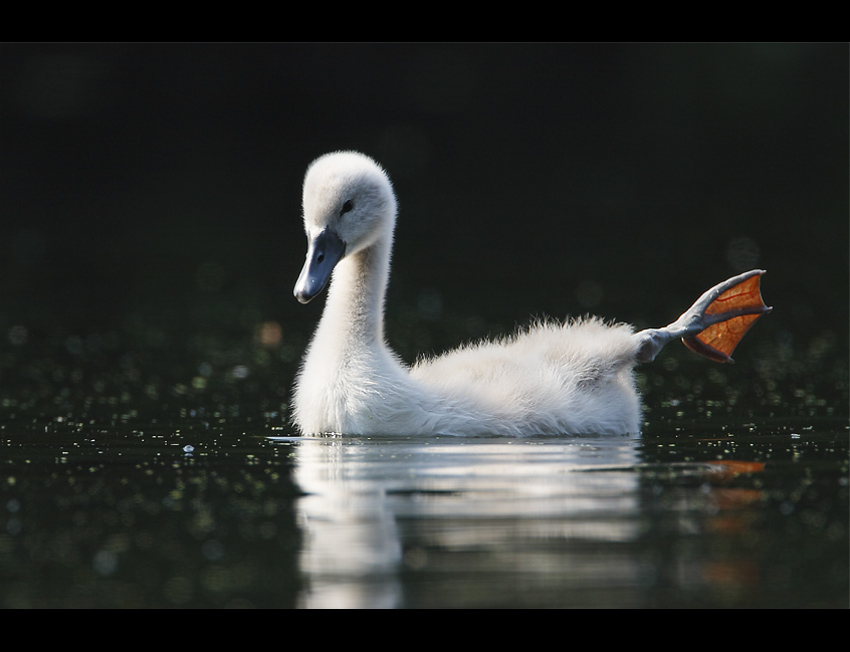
x=553 y=379
x=572 y=378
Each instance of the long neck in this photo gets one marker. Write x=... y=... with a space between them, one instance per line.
x=355 y=304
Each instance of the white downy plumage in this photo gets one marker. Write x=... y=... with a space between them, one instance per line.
x=574 y=377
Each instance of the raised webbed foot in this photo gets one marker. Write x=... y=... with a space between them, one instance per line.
x=714 y=325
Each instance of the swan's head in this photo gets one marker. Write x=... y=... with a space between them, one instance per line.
x=349 y=204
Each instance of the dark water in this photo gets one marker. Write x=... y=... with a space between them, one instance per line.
x=122 y=486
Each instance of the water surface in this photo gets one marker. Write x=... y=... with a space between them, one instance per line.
x=223 y=516
x=134 y=474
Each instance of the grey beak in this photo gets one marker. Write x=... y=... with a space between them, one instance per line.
x=323 y=253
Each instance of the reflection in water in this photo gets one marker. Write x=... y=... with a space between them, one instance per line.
x=97 y=517
x=378 y=510
x=675 y=520
x=352 y=549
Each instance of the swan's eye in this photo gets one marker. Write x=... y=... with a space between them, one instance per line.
x=347 y=206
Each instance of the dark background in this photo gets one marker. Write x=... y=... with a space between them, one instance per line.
x=150 y=193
